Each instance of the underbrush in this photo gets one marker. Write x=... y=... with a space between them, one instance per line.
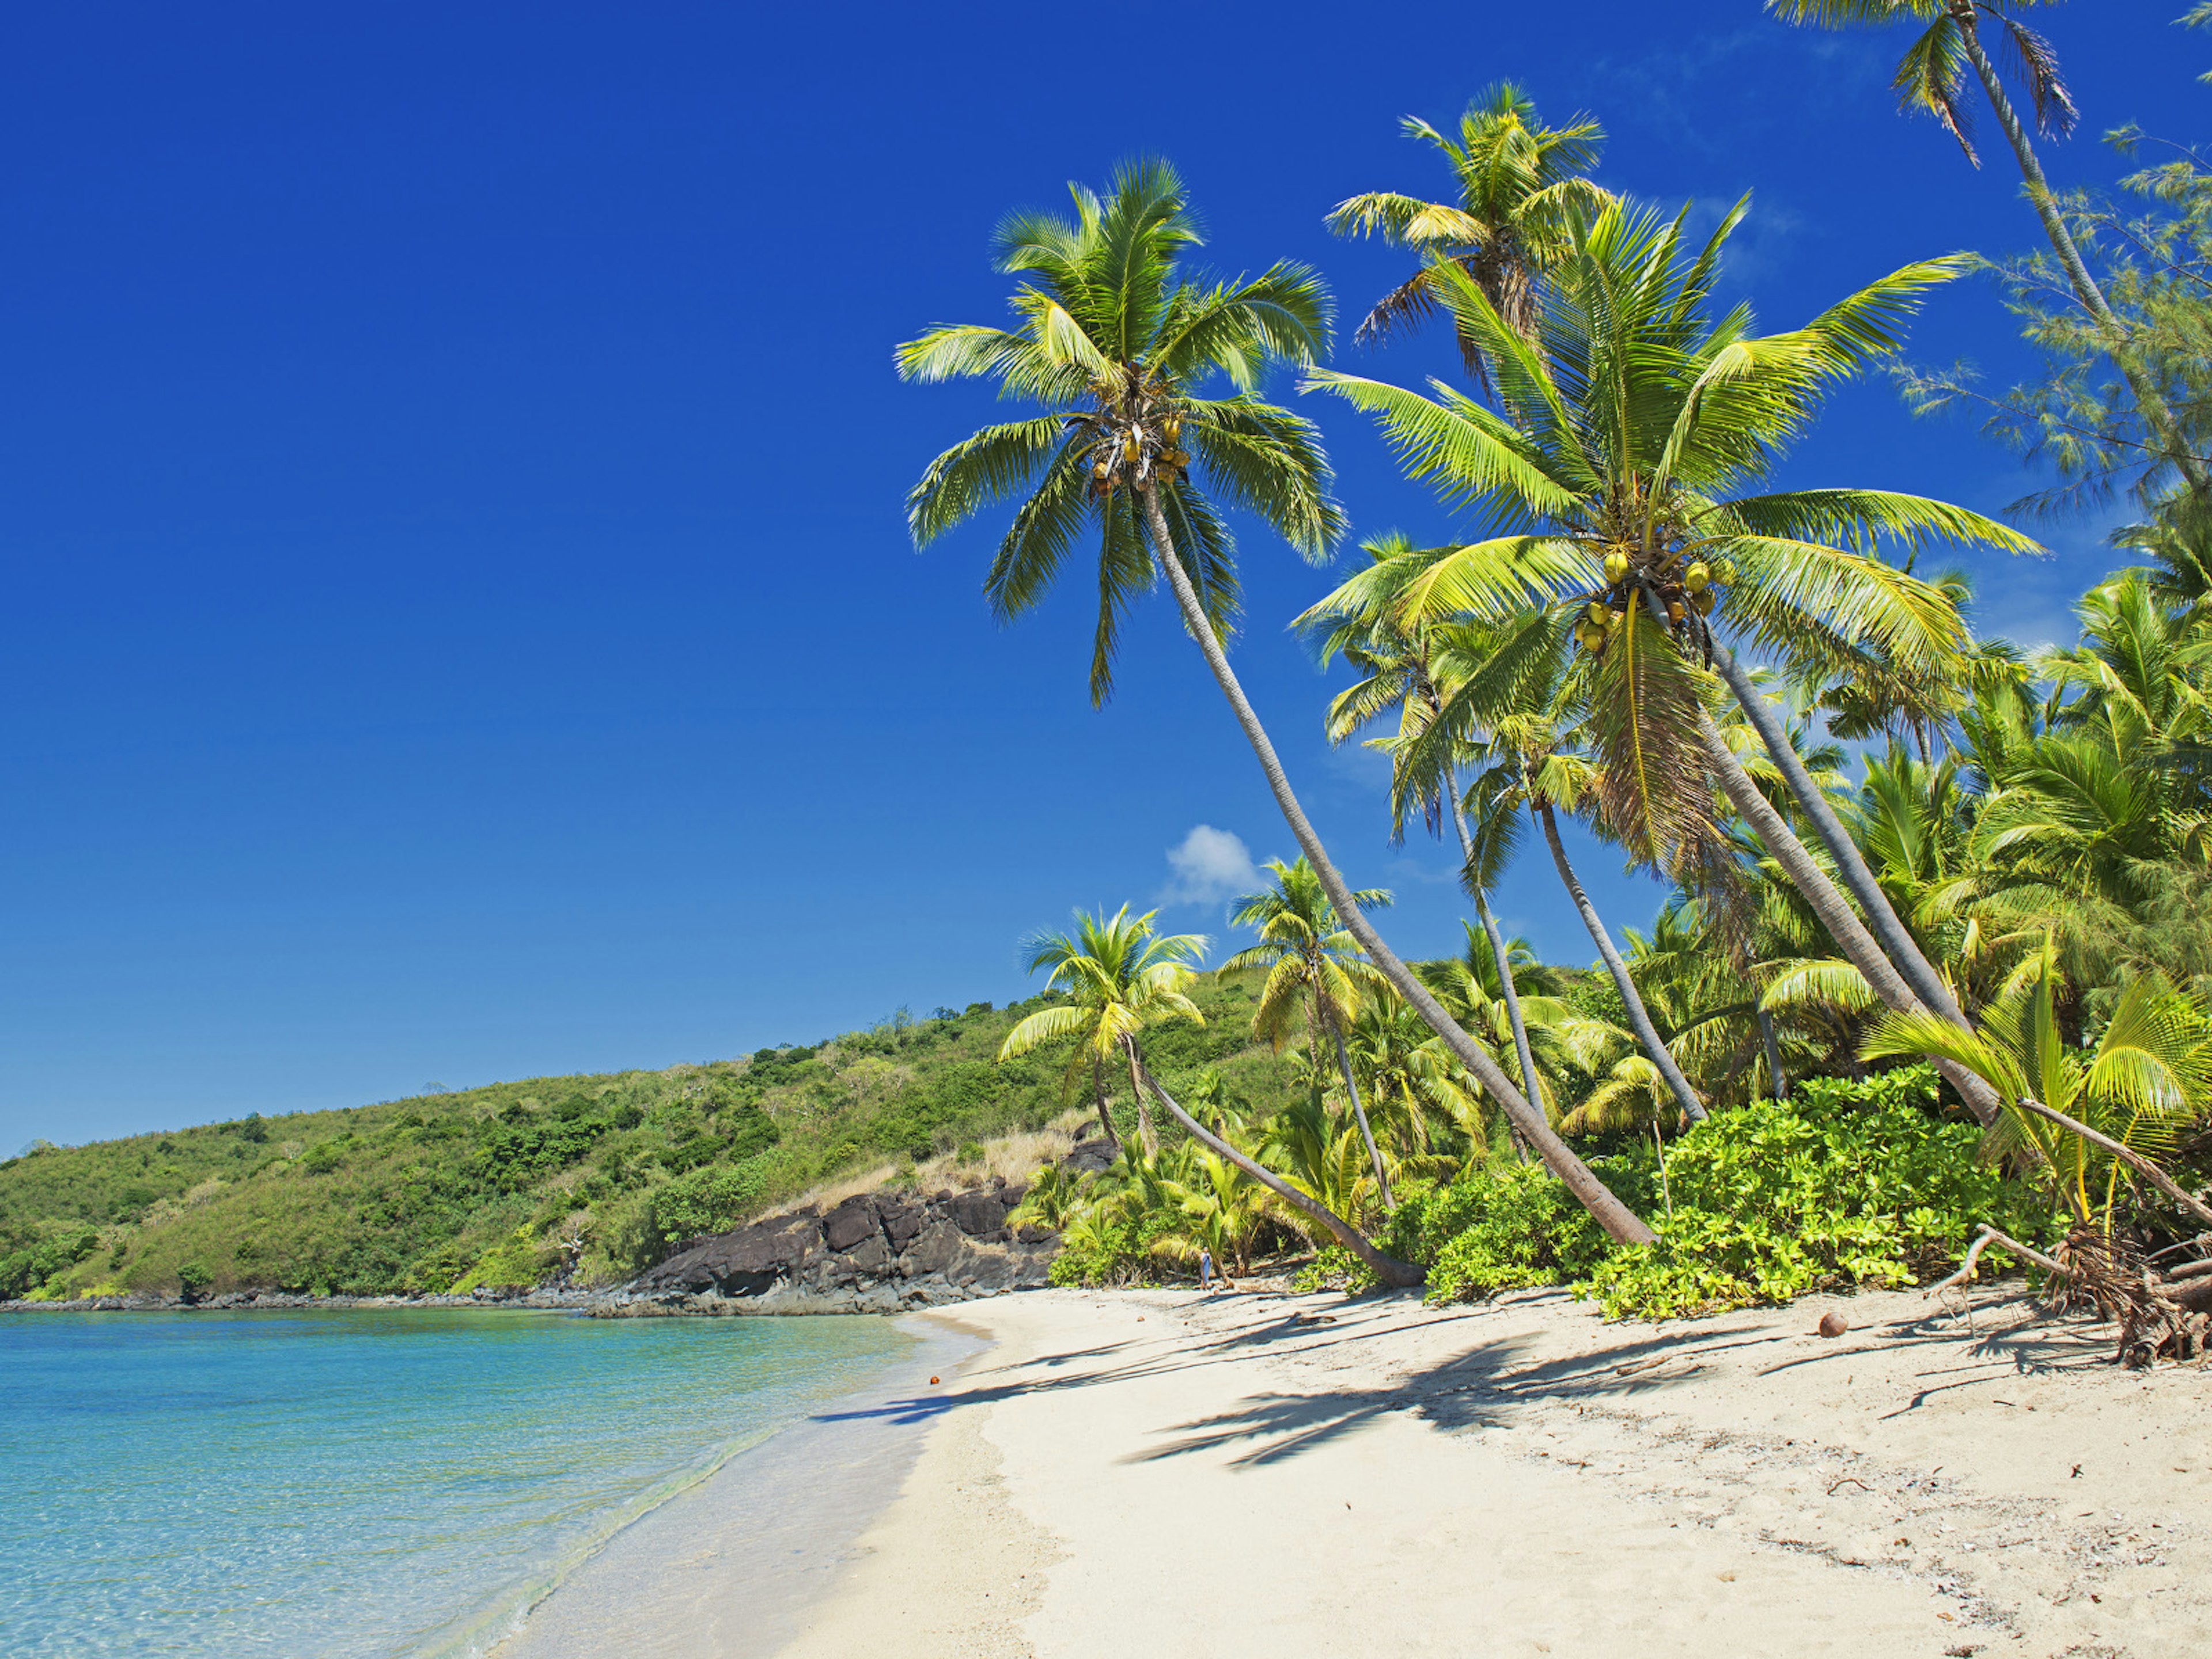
x=1850 y=1182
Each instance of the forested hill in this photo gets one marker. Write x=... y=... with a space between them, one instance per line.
x=505 y=1183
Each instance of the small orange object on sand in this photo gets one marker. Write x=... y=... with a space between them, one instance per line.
x=933 y=1381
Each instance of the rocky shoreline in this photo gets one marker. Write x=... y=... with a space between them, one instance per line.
x=879 y=1252
x=883 y=1252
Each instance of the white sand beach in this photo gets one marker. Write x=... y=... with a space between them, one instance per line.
x=1157 y=1473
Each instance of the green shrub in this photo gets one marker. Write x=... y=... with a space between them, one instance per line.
x=23 y=1271
x=709 y=1201
x=1507 y=1225
x=516 y=1262
x=193 y=1280
x=1850 y=1183
x=1100 y=1247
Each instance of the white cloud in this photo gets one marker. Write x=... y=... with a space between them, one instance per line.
x=1210 y=864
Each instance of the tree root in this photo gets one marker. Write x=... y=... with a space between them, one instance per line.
x=2160 y=1314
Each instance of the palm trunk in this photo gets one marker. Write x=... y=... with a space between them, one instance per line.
x=1619 y=1222
x=1639 y=1017
x=1498 y=953
x=1359 y=1111
x=1882 y=922
x=1387 y=1268
x=2156 y=416
x=1099 y=1093
x=1812 y=881
x=1778 y=1081
x=1145 y=1134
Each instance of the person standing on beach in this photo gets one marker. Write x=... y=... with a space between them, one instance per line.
x=1204 y=1269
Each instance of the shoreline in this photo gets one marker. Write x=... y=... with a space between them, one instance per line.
x=1315 y=1476
x=725 y=1568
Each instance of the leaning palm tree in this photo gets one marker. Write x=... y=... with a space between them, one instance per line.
x=1519 y=181
x=1622 y=466
x=1123 y=978
x=1314 y=967
x=1361 y=620
x=1118 y=347
x=1120 y=977
x=1929 y=80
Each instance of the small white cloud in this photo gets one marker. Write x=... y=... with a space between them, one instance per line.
x=1210 y=864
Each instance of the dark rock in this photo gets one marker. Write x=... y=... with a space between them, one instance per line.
x=900 y=1221
x=849 y=1223
x=977 y=1213
x=932 y=1251
x=1030 y=1233
x=1089 y=1158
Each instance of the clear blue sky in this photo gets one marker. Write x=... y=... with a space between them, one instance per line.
x=459 y=623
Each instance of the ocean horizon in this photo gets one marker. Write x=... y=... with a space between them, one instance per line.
x=363 y=1483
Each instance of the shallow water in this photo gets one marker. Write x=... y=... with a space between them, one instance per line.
x=360 y=1483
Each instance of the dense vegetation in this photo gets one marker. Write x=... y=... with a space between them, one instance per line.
x=1889 y=843
x=591 y=1177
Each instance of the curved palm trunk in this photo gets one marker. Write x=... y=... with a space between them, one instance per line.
x=1145 y=1133
x=1778 y=1080
x=2155 y=413
x=1882 y=922
x=1497 y=953
x=1099 y=1093
x=1639 y=1017
x=1359 y=1111
x=1387 y=1268
x=1619 y=1222
x=1812 y=881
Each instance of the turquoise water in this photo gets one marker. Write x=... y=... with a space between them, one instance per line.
x=359 y=1483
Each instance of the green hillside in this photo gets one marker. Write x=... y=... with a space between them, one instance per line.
x=504 y=1183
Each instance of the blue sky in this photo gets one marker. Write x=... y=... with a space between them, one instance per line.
x=460 y=623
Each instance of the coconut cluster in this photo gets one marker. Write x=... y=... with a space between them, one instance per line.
x=1683 y=588
x=1138 y=440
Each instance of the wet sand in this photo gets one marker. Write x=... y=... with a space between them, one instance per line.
x=728 y=1568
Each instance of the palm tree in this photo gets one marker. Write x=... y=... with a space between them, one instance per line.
x=1517 y=702
x=1120 y=977
x=1929 y=79
x=1314 y=967
x=1116 y=344
x=1612 y=466
x=1414 y=1087
x=1360 y=620
x=2147 y=1077
x=1519 y=181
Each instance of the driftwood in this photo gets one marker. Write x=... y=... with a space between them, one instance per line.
x=2159 y=1314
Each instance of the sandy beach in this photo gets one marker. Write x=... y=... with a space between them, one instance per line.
x=1158 y=1473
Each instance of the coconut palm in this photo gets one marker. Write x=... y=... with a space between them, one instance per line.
x=1620 y=466
x=1929 y=80
x=1470 y=985
x=1361 y=620
x=1417 y=1092
x=1510 y=705
x=1519 y=181
x=1120 y=977
x=1117 y=346
x=1314 y=969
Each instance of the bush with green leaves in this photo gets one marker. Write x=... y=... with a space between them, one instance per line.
x=1507 y=1225
x=1852 y=1182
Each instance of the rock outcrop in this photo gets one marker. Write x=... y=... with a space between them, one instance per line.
x=879 y=1252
